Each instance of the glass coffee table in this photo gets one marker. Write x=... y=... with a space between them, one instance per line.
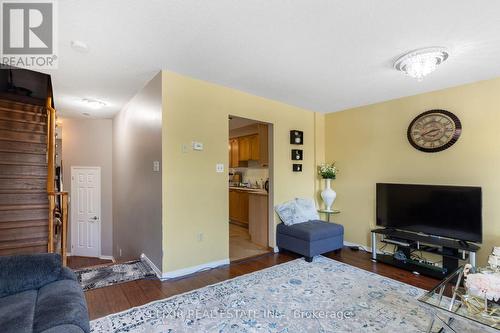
x=452 y=311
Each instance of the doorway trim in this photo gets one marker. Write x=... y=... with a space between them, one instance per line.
x=72 y=217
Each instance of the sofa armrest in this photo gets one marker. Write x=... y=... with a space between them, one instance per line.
x=67 y=274
x=26 y=272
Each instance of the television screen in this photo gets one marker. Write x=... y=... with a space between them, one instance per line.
x=447 y=211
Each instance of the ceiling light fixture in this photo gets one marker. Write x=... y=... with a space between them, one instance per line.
x=79 y=46
x=419 y=63
x=94 y=103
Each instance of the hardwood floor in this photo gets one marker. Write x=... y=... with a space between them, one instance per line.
x=107 y=300
x=76 y=262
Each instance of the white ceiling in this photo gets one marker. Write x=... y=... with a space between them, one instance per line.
x=323 y=55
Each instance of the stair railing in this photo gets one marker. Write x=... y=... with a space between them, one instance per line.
x=54 y=209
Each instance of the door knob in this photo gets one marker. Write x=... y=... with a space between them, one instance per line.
x=95 y=218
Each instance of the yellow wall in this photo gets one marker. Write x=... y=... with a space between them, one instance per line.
x=195 y=197
x=369 y=144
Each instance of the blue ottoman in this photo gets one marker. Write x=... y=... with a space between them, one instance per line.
x=310 y=238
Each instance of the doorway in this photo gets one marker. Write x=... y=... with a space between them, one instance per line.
x=250 y=164
x=86 y=211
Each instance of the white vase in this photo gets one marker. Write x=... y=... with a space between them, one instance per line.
x=328 y=195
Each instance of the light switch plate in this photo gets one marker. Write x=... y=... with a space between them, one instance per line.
x=197 y=145
x=219 y=168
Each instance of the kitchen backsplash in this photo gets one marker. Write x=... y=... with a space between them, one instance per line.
x=252 y=175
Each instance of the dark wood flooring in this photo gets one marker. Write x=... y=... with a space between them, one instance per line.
x=76 y=262
x=107 y=300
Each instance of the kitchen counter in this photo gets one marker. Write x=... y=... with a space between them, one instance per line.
x=257 y=191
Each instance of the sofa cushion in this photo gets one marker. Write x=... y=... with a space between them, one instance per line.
x=17 y=312
x=311 y=230
x=61 y=303
x=25 y=272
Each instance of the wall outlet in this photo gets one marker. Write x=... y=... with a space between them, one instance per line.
x=219 y=168
x=156 y=166
x=199 y=237
x=197 y=145
x=184 y=148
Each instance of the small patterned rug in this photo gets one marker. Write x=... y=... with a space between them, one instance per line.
x=98 y=277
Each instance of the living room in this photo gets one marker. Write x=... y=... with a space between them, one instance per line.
x=363 y=98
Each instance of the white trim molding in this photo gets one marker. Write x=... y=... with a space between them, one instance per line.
x=194 y=269
x=363 y=247
x=153 y=266
x=107 y=258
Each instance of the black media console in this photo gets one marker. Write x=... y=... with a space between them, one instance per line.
x=407 y=243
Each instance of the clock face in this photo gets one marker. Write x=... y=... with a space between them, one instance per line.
x=434 y=131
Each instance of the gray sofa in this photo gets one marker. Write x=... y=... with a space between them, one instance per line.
x=310 y=238
x=38 y=295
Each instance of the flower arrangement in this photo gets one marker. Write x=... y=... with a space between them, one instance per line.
x=328 y=170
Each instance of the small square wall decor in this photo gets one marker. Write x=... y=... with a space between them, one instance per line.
x=297 y=168
x=297 y=155
x=296 y=137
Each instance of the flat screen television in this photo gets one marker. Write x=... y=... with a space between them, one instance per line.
x=447 y=211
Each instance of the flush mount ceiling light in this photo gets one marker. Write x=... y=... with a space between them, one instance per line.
x=93 y=103
x=79 y=46
x=419 y=63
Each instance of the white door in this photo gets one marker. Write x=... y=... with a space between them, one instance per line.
x=86 y=211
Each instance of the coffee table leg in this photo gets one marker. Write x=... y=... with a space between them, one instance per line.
x=431 y=324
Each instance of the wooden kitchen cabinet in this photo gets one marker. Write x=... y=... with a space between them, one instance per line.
x=244 y=149
x=234 y=159
x=258 y=219
x=252 y=147
x=238 y=207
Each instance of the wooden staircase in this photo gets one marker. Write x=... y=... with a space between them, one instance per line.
x=24 y=204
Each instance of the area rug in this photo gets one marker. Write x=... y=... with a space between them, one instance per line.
x=323 y=296
x=103 y=276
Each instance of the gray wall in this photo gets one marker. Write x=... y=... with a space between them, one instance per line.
x=88 y=142
x=137 y=201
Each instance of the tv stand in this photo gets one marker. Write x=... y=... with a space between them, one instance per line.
x=407 y=242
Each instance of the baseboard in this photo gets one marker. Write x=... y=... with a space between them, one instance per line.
x=194 y=269
x=107 y=258
x=363 y=247
x=153 y=266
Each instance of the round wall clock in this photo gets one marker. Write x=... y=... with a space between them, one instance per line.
x=434 y=131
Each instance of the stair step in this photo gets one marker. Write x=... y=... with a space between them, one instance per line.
x=23 y=207
x=22 y=136
x=13 y=170
x=23 y=127
x=23 y=183
x=26 y=243
x=22 y=163
x=21 y=107
x=23 y=224
x=22 y=158
x=23 y=215
x=26 y=250
x=23 y=147
x=23 y=117
x=20 y=198
x=20 y=234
